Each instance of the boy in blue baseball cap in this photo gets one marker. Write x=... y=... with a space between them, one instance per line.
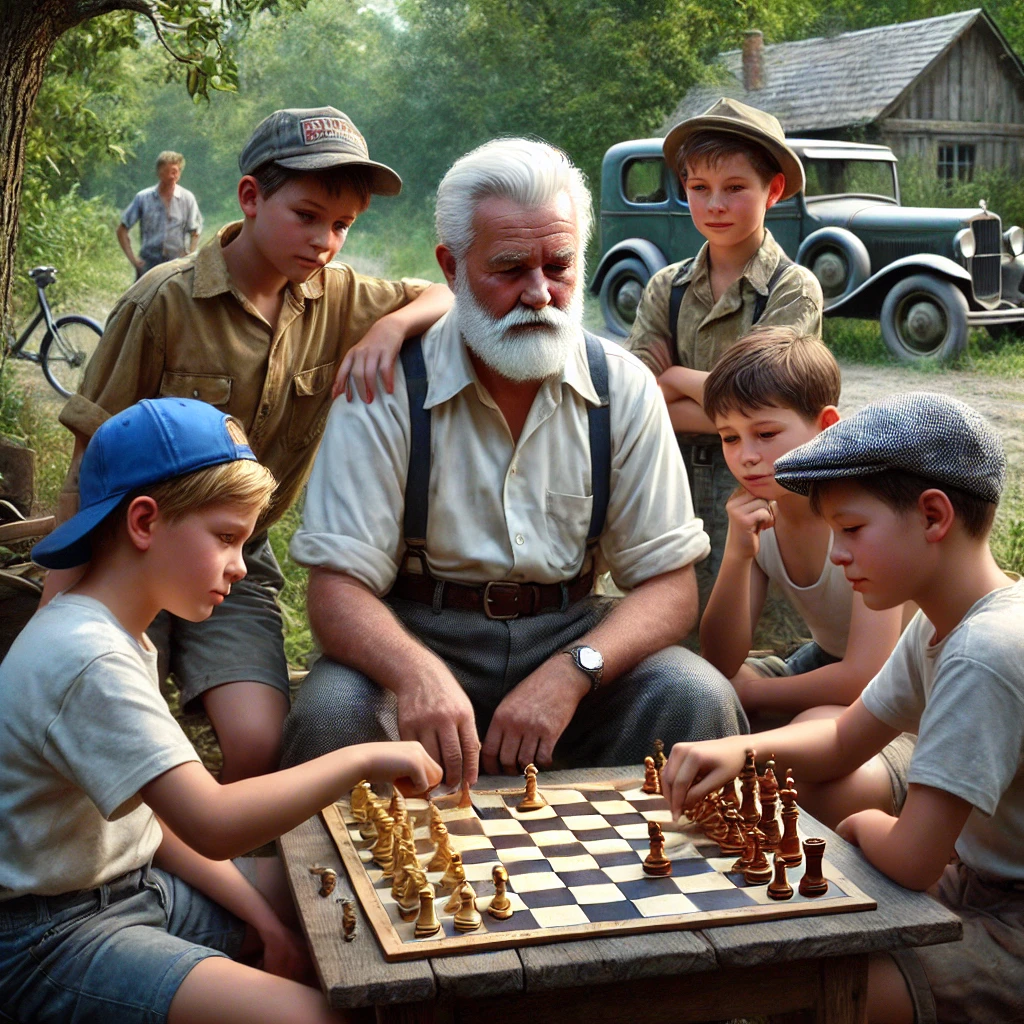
x=909 y=486
x=117 y=897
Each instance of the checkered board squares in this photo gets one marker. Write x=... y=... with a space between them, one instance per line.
x=575 y=870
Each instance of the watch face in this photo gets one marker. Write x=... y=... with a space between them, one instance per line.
x=590 y=659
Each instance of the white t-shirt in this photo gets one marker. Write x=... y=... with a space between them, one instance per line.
x=826 y=605
x=964 y=697
x=83 y=728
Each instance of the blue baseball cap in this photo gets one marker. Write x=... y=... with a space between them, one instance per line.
x=149 y=442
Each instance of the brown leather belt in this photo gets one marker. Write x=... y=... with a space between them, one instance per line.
x=499 y=600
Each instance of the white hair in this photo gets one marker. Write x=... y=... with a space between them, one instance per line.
x=529 y=173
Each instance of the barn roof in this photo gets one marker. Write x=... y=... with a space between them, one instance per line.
x=837 y=81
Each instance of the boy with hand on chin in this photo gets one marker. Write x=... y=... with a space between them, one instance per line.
x=117 y=897
x=909 y=486
x=258 y=323
x=734 y=165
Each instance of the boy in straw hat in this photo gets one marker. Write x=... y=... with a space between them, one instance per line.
x=734 y=165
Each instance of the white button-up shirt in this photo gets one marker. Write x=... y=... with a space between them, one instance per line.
x=498 y=509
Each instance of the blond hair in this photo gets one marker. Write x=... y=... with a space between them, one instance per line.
x=168 y=156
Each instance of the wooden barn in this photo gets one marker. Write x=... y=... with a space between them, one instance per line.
x=948 y=90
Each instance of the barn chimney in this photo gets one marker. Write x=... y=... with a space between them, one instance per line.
x=753 y=60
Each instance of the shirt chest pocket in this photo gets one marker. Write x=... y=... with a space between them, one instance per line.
x=567 y=518
x=207 y=387
x=310 y=405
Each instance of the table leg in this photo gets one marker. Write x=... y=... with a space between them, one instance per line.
x=842 y=991
x=408 y=1013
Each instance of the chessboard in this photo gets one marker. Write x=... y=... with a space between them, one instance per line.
x=575 y=871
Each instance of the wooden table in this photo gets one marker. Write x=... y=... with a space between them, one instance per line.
x=816 y=964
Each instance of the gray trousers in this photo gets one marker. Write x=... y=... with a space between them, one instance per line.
x=673 y=695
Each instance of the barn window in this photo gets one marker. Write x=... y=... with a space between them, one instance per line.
x=956 y=162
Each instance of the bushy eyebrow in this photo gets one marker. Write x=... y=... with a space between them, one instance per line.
x=508 y=258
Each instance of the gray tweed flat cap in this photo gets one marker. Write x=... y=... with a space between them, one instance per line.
x=934 y=436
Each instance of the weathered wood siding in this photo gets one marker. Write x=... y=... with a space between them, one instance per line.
x=975 y=95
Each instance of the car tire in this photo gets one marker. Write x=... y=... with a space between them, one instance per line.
x=924 y=317
x=621 y=290
x=838 y=259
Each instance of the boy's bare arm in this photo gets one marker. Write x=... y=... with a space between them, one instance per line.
x=914 y=848
x=378 y=349
x=355 y=627
x=817 y=751
x=221 y=822
x=683 y=389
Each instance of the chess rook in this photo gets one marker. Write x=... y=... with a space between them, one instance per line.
x=814 y=882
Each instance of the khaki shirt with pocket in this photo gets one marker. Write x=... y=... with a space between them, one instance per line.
x=186 y=330
x=706 y=328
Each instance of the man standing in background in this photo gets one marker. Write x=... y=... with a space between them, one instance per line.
x=168 y=215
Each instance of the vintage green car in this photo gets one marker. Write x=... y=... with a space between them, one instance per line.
x=926 y=274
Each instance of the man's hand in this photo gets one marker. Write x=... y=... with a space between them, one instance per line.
x=748 y=516
x=375 y=353
x=695 y=769
x=435 y=710
x=529 y=721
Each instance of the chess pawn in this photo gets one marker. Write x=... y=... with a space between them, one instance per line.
x=758 y=871
x=789 y=844
x=455 y=900
x=443 y=854
x=748 y=790
x=467 y=917
x=500 y=906
x=455 y=873
x=656 y=863
x=532 y=800
x=651 y=782
x=427 y=923
x=359 y=801
x=734 y=840
x=779 y=887
x=813 y=882
x=660 y=760
x=348 y=920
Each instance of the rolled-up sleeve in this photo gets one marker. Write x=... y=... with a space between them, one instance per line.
x=796 y=301
x=194 y=224
x=134 y=211
x=651 y=528
x=355 y=498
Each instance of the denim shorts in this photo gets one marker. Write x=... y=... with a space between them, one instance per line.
x=116 y=953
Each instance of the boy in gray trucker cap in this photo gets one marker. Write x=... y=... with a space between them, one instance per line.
x=261 y=323
x=909 y=486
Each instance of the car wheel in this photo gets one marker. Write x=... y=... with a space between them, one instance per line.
x=924 y=317
x=838 y=259
x=621 y=291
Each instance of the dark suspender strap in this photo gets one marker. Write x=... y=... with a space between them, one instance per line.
x=599 y=423
x=761 y=302
x=675 y=303
x=417 y=484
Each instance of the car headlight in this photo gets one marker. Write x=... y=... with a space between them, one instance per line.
x=1014 y=239
x=963 y=243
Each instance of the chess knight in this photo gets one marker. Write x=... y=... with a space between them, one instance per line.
x=454 y=528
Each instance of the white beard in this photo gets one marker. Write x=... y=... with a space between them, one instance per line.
x=523 y=345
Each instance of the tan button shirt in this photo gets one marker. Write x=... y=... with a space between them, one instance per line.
x=706 y=329
x=500 y=510
x=186 y=330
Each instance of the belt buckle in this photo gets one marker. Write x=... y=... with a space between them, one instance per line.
x=513 y=587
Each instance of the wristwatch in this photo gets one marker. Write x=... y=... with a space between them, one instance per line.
x=588 y=661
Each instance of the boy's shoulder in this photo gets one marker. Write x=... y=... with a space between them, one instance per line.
x=992 y=632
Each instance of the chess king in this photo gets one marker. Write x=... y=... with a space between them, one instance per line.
x=454 y=528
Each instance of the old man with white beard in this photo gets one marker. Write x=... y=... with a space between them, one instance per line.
x=454 y=528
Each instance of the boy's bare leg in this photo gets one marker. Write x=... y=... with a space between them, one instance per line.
x=272 y=883
x=888 y=999
x=867 y=787
x=248 y=719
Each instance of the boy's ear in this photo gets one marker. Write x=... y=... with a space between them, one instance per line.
x=139 y=521
x=937 y=513
x=775 y=189
x=446 y=261
x=828 y=417
x=248 y=193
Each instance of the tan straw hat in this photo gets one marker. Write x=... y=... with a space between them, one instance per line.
x=735 y=118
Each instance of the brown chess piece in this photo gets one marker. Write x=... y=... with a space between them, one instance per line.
x=656 y=863
x=427 y=923
x=746 y=857
x=651 y=781
x=729 y=797
x=789 y=844
x=758 y=871
x=748 y=790
x=734 y=840
x=768 y=786
x=814 y=882
x=532 y=800
x=467 y=917
x=660 y=760
x=779 y=887
x=500 y=907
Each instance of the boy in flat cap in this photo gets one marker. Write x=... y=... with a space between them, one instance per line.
x=910 y=486
x=256 y=323
x=734 y=165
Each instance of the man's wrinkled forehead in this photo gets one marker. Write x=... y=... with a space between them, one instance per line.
x=505 y=231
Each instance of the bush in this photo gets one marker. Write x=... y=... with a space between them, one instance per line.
x=1004 y=192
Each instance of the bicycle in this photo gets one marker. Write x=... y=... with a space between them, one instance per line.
x=67 y=345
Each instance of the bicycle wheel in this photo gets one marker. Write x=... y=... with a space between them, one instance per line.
x=65 y=352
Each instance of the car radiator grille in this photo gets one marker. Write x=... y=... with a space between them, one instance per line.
x=985 y=266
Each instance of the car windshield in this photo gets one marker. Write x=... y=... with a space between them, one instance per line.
x=860 y=177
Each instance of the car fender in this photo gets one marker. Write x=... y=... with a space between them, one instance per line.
x=647 y=252
x=867 y=300
x=854 y=251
